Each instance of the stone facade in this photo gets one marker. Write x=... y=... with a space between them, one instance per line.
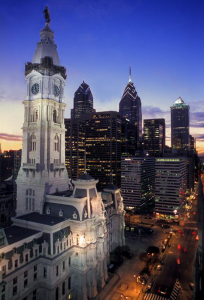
x=58 y=246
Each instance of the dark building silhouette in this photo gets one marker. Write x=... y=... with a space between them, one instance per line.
x=99 y=134
x=154 y=137
x=180 y=125
x=83 y=101
x=131 y=120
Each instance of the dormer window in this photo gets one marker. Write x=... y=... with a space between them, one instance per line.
x=61 y=213
x=48 y=211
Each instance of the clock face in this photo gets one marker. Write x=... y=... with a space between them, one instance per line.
x=56 y=90
x=35 y=89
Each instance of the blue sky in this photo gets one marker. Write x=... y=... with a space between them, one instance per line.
x=163 y=41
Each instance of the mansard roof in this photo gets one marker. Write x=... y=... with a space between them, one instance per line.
x=44 y=219
x=15 y=234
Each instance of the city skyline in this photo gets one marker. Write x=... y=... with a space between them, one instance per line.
x=97 y=42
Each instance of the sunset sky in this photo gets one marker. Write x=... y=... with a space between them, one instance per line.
x=97 y=41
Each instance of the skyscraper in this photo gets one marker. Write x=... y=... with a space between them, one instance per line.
x=83 y=101
x=180 y=125
x=103 y=146
x=74 y=147
x=131 y=119
x=154 y=137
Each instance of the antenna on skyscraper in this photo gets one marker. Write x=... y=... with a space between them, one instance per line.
x=85 y=162
x=129 y=73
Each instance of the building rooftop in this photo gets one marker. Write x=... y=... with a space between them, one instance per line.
x=17 y=233
x=42 y=219
x=85 y=177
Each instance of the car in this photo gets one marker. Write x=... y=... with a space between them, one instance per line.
x=163 y=248
x=141 y=280
x=179 y=247
x=148 y=289
x=161 y=262
x=159 y=267
x=163 y=290
x=194 y=212
x=169 y=245
x=178 y=261
x=184 y=250
x=194 y=233
x=197 y=238
x=179 y=231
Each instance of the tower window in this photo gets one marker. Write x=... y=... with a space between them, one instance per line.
x=54 y=116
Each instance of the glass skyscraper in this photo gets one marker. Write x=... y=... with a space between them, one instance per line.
x=180 y=138
x=83 y=101
x=131 y=120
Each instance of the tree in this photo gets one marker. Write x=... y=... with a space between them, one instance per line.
x=153 y=249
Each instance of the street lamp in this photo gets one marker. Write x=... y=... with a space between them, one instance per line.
x=135 y=282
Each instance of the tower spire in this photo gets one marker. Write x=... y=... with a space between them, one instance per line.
x=129 y=73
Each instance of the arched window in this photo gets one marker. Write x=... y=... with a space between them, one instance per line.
x=36 y=115
x=56 y=145
x=54 y=116
x=33 y=142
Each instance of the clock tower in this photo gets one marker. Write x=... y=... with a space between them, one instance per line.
x=43 y=169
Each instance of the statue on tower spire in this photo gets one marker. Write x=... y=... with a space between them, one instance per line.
x=47 y=15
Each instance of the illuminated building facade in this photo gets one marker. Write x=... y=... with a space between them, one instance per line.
x=137 y=180
x=74 y=147
x=180 y=138
x=58 y=246
x=131 y=120
x=170 y=185
x=154 y=137
x=83 y=101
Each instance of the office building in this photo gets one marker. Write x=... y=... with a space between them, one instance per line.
x=154 y=137
x=58 y=246
x=103 y=147
x=74 y=147
x=180 y=138
x=131 y=119
x=170 y=186
x=83 y=101
x=137 y=180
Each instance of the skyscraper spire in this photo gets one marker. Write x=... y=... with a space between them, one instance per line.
x=129 y=73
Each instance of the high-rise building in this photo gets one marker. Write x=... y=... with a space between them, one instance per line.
x=99 y=135
x=83 y=101
x=58 y=246
x=75 y=147
x=137 y=180
x=6 y=164
x=180 y=138
x=131 y=119
x=154 y=137
x=170 y=185
x=103 y=146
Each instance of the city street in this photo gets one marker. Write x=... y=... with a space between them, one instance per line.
x=178 y=259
